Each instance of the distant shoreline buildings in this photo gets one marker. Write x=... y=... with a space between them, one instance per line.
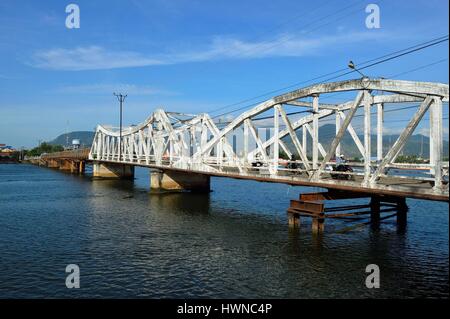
x=8 y=154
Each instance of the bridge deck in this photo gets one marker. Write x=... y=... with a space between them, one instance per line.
x=389 y=185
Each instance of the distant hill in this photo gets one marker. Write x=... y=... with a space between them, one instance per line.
x=417 y=144
x=85 y=137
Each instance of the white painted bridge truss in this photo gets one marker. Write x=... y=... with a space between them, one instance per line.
x=169 y=140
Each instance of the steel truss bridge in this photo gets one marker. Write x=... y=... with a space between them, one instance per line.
x=197 y=144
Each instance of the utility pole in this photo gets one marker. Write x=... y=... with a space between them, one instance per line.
x=421 y=146
x=67 y=134
x=121 y=98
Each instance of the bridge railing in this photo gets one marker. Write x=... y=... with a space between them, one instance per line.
x=78 y=154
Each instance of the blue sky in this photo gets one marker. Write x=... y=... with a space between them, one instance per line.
x=190 y=55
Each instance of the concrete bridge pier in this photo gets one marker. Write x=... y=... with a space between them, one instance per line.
x=113 y=170
x=176 y=181
x=402 y=214
x=68 y=165
x=375 y=212
x=52 y=163
x=81 y=167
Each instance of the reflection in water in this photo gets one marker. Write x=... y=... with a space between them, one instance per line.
x=233 y=242
x=184 y=203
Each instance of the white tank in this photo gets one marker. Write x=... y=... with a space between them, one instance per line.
x=76 y=143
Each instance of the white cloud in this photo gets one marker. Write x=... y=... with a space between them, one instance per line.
x=392 y=130
x=426 y=131
x=423 y=131
x=109 y=88
x=90 y=58
x=97 y=57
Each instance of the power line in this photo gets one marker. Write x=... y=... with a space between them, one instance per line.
x=392 y=121
x=404 y=53
x=418 y=68
x=263 y=46
x=363 y=65
x=395 y=75
x=287 y=21
x=331 y=73
x=279 y=42
x=357 y=115
x=389 y=58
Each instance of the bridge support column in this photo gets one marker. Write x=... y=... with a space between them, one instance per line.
x=402 y=214
x=81 y=167
x=67 y=165
x=308 y=208
x=293 y=220
x=318 y=223
x=170 y=181
x=112 y=170
x=312 y=205
x=375 y=208
x=72 y=166
x=52 y=163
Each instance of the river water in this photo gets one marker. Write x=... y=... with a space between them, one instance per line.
x=231 y=243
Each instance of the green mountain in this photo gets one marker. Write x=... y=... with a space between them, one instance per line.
x=417 y=144
x=85 y=137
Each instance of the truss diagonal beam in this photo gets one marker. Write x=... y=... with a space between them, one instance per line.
x=294 y=138
x=340 y=134
x=400 y=142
